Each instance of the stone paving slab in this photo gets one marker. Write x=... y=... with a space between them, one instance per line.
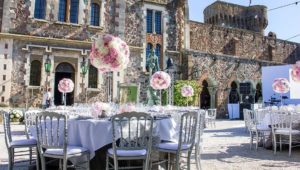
x=226 y=147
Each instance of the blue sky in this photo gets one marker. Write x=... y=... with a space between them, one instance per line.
x=285 y=22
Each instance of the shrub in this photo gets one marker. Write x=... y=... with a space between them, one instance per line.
x=183 y=101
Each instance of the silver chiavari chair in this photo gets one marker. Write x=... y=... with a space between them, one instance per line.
x=282 y=125
x=13 y=145
x=134 y=132
x=185 y=144
x=53 y=141
x=211 y=116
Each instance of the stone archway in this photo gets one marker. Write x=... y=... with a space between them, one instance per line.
x=205 y=96
x=212 y=87
x=63 y=70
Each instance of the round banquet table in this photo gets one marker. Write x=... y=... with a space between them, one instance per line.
x=96 y=136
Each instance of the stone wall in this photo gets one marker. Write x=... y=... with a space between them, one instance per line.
x=220 y=71
x=245 y=44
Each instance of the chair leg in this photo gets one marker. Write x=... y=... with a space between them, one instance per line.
x=116 y=165
x=30 y=155
x=37 y=162
x=107 y=163
x=290 y=145
x=169 y=161
x=274 y=143
x=280 y=143
x=65 y=161
x=189 y=161
x=257 y=140
x=197 y=158
x=251 y=140
x=88 y=161
x=10 y=162
x=43 y=163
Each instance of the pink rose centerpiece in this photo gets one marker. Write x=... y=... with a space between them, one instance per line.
x=109 y=53
x=129 y=107
x=295 y=74
x=160 y=80
x=65 y=85
x=281 y=85
x=187 y=91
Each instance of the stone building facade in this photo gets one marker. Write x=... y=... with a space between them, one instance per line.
x=228 y=47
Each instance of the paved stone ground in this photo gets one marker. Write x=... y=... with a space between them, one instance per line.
x=226 y=147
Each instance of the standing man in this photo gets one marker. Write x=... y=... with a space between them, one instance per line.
x=47 y=99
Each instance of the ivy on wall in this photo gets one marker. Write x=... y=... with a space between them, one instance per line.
x=183 y=101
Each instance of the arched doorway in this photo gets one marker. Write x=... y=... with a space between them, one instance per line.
x=234 y=95
x=205 y=96
x=63 y=70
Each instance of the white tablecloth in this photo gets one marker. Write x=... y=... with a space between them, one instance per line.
x=94 y=134
x=234 y=111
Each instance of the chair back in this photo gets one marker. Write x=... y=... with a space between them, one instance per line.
x=6 y=126
x=281 y=120
x=51 y=131
x=212 y=113
x=188 y=126
x=134 y=131
x=30 y=121
x=250 y=119
x=200 y=126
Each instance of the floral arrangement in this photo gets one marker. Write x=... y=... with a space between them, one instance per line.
x=65 y=85
x=98 y=107
x=129 y=107
x=160 y=80
x=109 y=53
x=295 y=74
x=187 y=91
x=281 y=85
x=15 y=115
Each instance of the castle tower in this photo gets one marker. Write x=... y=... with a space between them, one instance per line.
x=252 y=18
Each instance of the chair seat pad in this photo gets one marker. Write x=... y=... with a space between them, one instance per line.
x=173 y=146
x=141 y=152
x=23 y=142
x=71 y=150
x=286 y=131
x=263 y=127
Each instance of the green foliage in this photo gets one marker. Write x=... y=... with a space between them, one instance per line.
x=179 y=100
x=3 y=105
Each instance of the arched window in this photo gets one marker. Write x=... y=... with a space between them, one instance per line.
x=95 y=14
x=93 y=77
x=35 y=73
x=158 y=51
x=158 y=22
x=40 y=9
x=149 y=21
x=68 y=9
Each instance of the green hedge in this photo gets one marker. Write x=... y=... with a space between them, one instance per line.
x=182 y=101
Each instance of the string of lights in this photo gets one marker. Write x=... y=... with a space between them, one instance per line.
x=283 y=6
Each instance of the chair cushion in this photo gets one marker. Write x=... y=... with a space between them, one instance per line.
x=23 y=142
x=286 y=131
x=262 y=127
x=173 y=146
x=141 y=152
x=71 y=150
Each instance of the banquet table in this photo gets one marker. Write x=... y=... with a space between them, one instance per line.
x=96 y=135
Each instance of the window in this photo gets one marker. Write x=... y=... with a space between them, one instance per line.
x=5 y=56
x=149 y=21
x=6 y=46
x=157 y=51
x=62 y=10
x=4 y=77
x=74 y=11
x=95 y=14
x=148 y=49
x=35 y=73
x=1 y=13
x=2 y=99
x=3 y=88
x=4 y=66
x=93 y=77
x=40 y=9
x=158 y=22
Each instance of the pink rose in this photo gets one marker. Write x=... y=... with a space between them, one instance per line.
x=295 y=74
x=281 y=85
x=187 y=91
x=65 y=85
x=160 y=80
